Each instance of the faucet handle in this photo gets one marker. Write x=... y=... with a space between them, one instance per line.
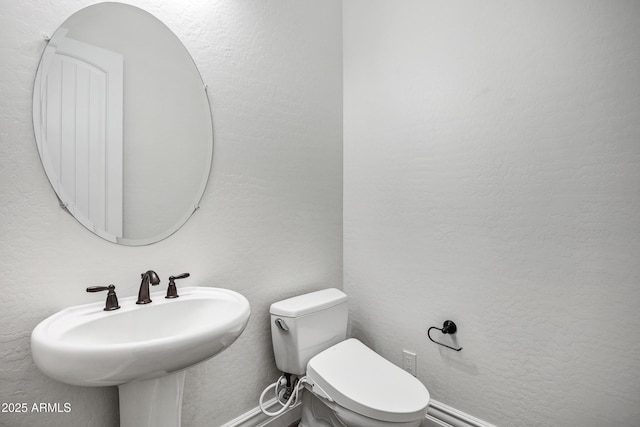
x=112 y=299
x=172 y=291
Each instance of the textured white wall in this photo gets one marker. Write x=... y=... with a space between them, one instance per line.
x=492 y=177
x=270 y=223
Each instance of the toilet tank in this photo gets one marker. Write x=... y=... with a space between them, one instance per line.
x=305 y=325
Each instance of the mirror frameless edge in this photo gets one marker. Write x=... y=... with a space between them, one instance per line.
x=123 y=129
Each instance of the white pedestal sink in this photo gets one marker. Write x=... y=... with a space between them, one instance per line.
x=143 y=349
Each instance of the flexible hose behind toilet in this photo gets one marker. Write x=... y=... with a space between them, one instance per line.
x=293 y=399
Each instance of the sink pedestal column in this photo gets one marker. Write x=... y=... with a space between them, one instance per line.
x=152 y=403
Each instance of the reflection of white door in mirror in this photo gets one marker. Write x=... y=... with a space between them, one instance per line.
x=117 y=89
x=81 y=130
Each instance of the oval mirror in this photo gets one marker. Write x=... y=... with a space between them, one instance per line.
x=122 y=124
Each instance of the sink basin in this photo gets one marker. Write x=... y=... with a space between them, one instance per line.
x=87 y=346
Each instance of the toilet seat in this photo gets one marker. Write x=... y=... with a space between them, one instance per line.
x=362 y=381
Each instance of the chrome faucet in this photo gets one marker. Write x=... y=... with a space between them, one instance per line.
x=143 y=294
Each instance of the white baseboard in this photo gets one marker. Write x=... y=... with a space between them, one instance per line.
x=441 y=415
x=255 y=417
x=438 y=415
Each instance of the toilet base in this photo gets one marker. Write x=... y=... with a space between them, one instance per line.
x=318 y=412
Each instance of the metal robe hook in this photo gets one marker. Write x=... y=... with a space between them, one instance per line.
x=447 y=328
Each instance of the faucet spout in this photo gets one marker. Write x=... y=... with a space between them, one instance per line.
x=143 y=294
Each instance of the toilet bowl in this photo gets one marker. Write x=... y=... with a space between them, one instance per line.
x=363 y=389
x=346 y=383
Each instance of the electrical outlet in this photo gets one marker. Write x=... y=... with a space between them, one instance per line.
x=409 y=362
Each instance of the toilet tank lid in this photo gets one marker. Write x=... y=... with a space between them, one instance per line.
x=308 y=303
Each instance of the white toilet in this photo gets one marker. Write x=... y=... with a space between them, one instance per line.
x=350 y=385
